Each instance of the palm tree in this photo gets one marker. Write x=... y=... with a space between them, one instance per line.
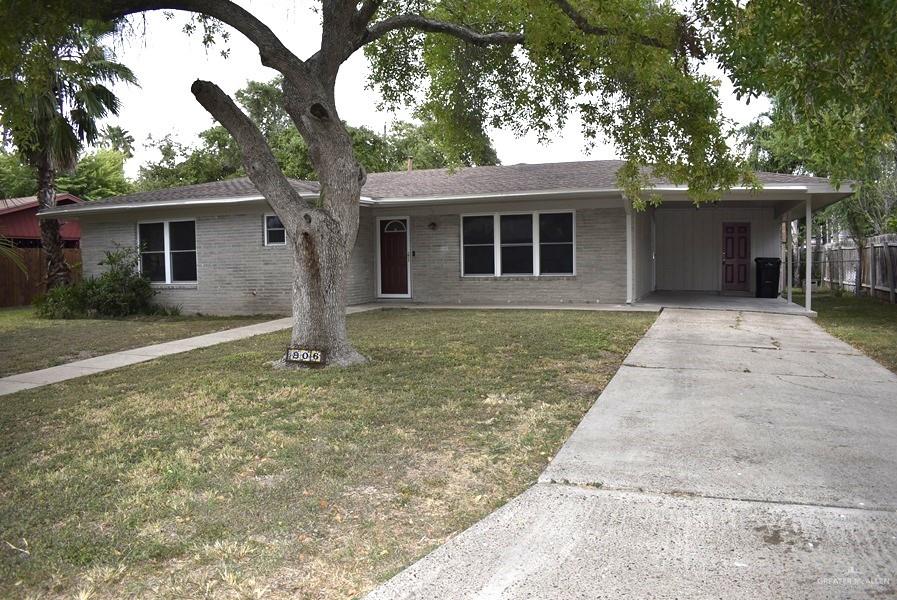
x=51 y=100
x=119 y=139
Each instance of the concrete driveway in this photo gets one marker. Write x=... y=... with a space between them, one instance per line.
x=735 y=454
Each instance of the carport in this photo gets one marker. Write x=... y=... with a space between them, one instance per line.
x=688 y=256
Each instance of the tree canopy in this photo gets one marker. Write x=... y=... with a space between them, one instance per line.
x=829 y=67
x=217 y=155
x=98 y=174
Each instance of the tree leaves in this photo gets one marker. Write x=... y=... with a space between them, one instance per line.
x=632 y=82
x=830 y=66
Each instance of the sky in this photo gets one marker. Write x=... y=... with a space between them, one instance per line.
x=166 y=62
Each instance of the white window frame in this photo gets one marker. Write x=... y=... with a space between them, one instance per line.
x=407 y=220
x=496 y=242
x=265 y=231
x=167 y=250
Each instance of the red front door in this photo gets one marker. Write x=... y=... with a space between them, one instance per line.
x=393 y=257
x=736 y=257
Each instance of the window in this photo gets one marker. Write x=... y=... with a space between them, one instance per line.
x=518 y=244
x=556 y=243
x=168 y=251
x=275 y=234
x=479 y=247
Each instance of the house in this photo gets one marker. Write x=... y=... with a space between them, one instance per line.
x=522 y=234
x=19 y=223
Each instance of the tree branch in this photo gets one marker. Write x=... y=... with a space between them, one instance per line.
x=366 y=12
x=261 y=166
x=272 y=51
x=381 y=28
x=582 y=23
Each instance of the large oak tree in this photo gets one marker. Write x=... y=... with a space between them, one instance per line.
x=627 y=67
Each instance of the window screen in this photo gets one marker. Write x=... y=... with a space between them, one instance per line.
x=478 y=240
x=517 y=244
x=556 y=243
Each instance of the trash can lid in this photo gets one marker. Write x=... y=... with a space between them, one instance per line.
x=770 y=259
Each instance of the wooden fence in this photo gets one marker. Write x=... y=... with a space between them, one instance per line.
x=838 y=263
x=18 y=288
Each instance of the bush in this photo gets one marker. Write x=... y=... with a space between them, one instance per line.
x=120 y=291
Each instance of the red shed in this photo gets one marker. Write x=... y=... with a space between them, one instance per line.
x=19 y=222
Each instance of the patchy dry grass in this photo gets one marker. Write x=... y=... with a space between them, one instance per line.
x=866 y=323
x=209 y=474
x=30 y=343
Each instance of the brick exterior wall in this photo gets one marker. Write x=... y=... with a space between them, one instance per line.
x=600 y=265
x=238 y=274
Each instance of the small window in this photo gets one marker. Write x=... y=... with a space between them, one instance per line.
x=478 y=240
x=556 y=243
x=275 y=234
x=168 y=251
x=395 y=227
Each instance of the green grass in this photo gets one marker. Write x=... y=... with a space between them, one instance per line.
x=209 y=474
x=30 y=343
x=866 y=323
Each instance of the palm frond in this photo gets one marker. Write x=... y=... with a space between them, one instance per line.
x=9 y=251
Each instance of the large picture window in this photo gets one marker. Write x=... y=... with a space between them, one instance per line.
x=168 y=251
x=536 y=243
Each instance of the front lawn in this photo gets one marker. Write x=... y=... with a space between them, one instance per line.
x=208 y=474
x=866 y=323
x=30 y=343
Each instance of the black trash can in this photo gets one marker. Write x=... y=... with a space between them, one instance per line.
x=768 y=277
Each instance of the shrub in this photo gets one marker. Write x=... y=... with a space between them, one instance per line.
x=120 y=291
x=64 y=302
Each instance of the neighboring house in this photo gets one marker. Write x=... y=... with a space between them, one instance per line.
x=522 y=234
x=19 y=222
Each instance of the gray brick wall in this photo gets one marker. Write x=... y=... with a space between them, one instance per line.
x=600 y=265
x=236 y=272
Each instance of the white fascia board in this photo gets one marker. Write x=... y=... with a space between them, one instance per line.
x=87 y=209
x=446 y=199
x=578 y=193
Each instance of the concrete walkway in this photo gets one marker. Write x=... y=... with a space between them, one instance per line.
x=712 y=301
x=107 y=362
x=734 y=455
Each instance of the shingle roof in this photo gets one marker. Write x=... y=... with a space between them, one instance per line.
x=9 y=205
x=422 y=183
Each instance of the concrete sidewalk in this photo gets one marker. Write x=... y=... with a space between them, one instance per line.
x=736 y=455
x=106 y=362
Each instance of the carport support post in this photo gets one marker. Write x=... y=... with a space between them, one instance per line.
x=630 y=287
x=808 y=281
x=789 y=260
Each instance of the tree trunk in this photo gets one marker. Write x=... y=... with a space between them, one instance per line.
x=323 y=249
x=319 y=297
x=858 y=289
x=58 y=272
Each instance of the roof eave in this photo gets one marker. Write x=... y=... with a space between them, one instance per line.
x=390 y=202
